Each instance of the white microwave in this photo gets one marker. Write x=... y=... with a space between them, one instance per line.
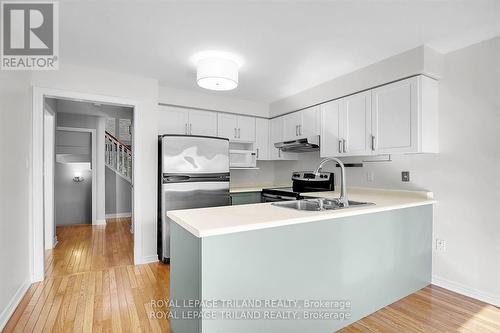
x=242 y=158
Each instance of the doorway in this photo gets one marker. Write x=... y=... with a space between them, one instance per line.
x=87 y=183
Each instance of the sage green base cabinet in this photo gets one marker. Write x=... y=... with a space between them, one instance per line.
x=371 y=260
x=244 y=198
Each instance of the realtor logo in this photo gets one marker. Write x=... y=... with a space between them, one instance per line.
x=29 y=36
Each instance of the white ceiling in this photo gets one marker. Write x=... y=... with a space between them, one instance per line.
x=287 y=46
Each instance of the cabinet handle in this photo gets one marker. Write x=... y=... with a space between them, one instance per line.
x=186 y=129
x=239 y=133
x=340 y=146
x=257 y=153
x=373 y=142
x=344 y=146
x=235 y=132
x=296 y=130
x=190 y=128
x=300 y=129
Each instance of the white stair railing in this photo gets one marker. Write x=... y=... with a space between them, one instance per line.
x=118 y=156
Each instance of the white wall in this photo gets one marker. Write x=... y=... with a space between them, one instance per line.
x=15 y=195
x=463 y=176
x=213 y=101
x=145 y=92
x=420 y=60
x=262 y=176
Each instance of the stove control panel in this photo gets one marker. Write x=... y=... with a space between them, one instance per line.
x=310 y=176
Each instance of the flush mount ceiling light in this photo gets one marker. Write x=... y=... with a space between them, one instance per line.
x=217 y=70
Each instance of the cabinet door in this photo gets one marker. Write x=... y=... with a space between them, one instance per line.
x=330 y=129
x=172 y=120
x=202 y=123
x=356 y=124
x=227 y=125
x=262 y=139
x=291 y=123
x=309 y=124
x=395 y=118
x=246 y=129
x=276 y=129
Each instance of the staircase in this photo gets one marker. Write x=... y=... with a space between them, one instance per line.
x=118 y=157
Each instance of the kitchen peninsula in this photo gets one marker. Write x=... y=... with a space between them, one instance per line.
x=367 y=256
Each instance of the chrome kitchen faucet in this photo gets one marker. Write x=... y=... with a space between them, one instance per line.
x=343 y=188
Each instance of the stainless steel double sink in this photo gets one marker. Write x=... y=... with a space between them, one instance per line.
x=319 y=204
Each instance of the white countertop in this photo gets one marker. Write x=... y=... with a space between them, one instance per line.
x=203 y=222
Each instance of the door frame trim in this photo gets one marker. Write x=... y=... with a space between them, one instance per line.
x=36 y=232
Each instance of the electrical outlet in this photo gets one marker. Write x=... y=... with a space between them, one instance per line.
x=370 y=176
x=440 y=245
x=405 y=176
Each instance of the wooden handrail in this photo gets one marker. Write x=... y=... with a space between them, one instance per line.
x=114 y=138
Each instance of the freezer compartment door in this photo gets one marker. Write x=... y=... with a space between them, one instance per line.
x=187 y=196
x=192 y=154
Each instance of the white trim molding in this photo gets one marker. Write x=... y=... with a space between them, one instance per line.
x=118 y=215
x=149 y=259
x=99 y=222
x=13 y=303
x=467 y=291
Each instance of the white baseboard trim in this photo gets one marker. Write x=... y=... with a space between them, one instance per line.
x=100 y=222
x=13 y=303
x=149 y=259
x=467 y=291
x=118 y=215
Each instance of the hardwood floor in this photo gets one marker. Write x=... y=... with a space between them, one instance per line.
x=431 y=310
x=92 y=285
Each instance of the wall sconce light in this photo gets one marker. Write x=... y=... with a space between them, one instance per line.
x=78 y=177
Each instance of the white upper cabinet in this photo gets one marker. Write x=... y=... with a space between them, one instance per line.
x=400 y=117
x=276 y=129
x=405 y=117
x=236 y=128
x=331 y=142
x=310 y=125
x=173 y=120
x=202 y=123
x=262 y=139
x=227 y=126
x=345 y=126
x=355 y=124
x=301 y=124
x=246 y=129
x=291 y=123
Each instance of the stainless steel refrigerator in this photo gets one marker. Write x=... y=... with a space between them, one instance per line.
x=193 y=173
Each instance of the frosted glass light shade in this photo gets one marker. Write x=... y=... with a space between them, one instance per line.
x=217 y=74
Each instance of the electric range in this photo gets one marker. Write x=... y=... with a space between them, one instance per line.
x=302 y=182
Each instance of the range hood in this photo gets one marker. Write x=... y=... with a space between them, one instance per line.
x=303 y=145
